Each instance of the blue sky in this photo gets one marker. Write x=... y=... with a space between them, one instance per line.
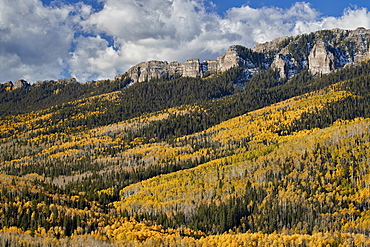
x=326 y=7
x=97 y=39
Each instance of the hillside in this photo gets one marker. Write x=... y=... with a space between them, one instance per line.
x=244 y=156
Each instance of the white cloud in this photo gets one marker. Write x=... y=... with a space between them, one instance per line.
x=151 y=30
x=93 y=59
x=182 y=29
x=38 y=42
x=34 y=40
x=351 y=19
x=264 y=24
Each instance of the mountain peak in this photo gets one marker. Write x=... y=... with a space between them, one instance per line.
x=321 y=52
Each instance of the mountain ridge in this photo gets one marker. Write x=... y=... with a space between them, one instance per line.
x=326 y=51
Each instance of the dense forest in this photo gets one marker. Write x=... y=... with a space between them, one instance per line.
x=215 y=161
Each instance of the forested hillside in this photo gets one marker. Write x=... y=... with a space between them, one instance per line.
x=215 y=161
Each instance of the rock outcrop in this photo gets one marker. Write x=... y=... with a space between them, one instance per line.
x=153 y=70
x=21 y=84
x=273 y=46
x=283 y=59
x=211 y=66
x=175 y=69
x=60 y=81
x=320 y=52
x=67 y=81
x=193 y=68
x=229 y=60
x=286 y=65
x=321 y=61
x=9 y=85
x=357 y=41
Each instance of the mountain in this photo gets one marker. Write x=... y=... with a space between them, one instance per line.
x=267 y=146
x=321 y=52
x=154 y=70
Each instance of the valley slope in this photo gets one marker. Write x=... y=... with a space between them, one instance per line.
x=227 y=159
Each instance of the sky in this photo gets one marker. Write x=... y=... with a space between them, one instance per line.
x=98 y=39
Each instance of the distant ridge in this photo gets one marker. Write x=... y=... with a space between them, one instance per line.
x=321 y=52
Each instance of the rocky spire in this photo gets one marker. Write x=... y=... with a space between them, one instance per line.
x=21 y=84
x=321 y=61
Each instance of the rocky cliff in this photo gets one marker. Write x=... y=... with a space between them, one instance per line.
x=9 y=85
x=321 y=60
x=60 y=81
x=147 y=71
x=193 y=68
x=320 y=52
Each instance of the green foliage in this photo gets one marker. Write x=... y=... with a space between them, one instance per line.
x=50 y=93
x=302 y=46
x=258 y=59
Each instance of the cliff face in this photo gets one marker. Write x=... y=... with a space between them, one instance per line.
x=147 y=71
x=229 y=60
x=60 y=81
x=321 y=61
x=9 y=85
x=21 y=84
x=286 y=64
x=150 y=70
x=321 y=52
x=193 y=68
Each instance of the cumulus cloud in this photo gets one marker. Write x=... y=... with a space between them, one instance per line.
x=34 y=40
x=39 y=42
x=93 y=58
x=151 y=30
x=264 y=24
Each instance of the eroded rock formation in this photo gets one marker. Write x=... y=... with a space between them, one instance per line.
x=321 y=60
x=147 y=71
x=286 y=65
x=21 y=84
x=229 y=60
x=193 y=68
x=320 y=52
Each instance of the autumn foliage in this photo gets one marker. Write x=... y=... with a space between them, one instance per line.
x=272 y=165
